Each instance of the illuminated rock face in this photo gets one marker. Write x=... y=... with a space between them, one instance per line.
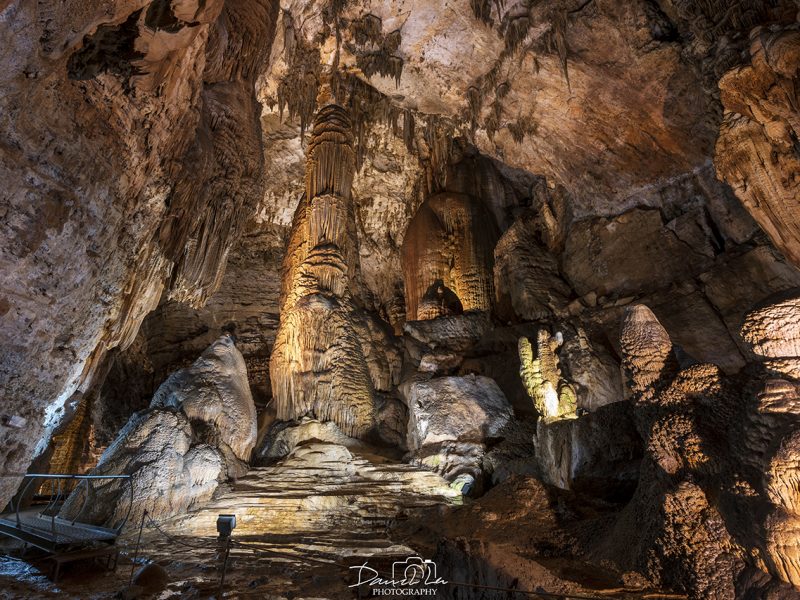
x=553 y=396
x=199 y=431
x=215 y=390
x=756 y=152
x=325 y=362
x=447 y=257
x=135 y=163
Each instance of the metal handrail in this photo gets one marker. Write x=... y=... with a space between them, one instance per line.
x=60 y=477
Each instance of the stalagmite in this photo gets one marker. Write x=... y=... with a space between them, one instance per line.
x=647 y=351
x=553 y=396
x=318 y=365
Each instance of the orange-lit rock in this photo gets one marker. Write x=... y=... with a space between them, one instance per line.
x=757 y=149
x=447 y=257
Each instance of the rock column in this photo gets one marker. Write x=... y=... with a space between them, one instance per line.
x=318 y=367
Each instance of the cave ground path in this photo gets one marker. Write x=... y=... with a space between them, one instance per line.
x=303 y=526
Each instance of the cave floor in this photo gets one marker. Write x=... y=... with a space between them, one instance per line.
x=304 y=524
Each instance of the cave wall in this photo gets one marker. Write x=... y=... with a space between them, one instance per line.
x=109 y=111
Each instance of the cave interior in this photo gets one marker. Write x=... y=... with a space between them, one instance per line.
x=475 y=299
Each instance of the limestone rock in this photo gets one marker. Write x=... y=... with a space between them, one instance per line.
x=460 y=463
x=526 y=275
x=597 y=454
x=745 y=280
x=457 y=409
x=169 y=475
x=439 y=363
x=284 y=437
x=198 y=432
x=135 y=161
x=756 y=151
x=553 y=396
x=648 y=352
x=456 y=333
x=774 y=330
x=628 y=254
x=174 y=334
x=447 y=257
x=152 y=578
x=515 y=454
x=318 y=365
x=391 y=420
x=592 y=370
x=716 y=449
x=215 y=390
x=695 y=325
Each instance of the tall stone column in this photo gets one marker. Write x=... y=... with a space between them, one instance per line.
x=318 y=366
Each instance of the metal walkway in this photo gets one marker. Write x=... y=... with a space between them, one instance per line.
x=44 y=529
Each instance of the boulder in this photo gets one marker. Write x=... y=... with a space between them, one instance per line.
x=450 y=421
x=151 y=578
x=198 y=432
x=597 y=454
x=285 y=436
x=215 y=390
x=454 y=409
x=456 y=333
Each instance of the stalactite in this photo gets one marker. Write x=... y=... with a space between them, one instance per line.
x=376 y=53
x=298 y=89
x=556 y=42
x=368 y=29
x=381 y=63
x=408 y=129
x=520 y=128
x=330 y=160
x=482 y=9
x=516 y=30
x=368 y=107
x=475 y=101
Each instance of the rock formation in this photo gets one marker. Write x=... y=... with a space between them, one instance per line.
x=714 y=493
x=552 y=395
x=323 y=363
x=450 y=421
x=198 y=432
x=527 y=281
x=133 y=158
x=424 y=225
x=447 y=257
x=215 y=391
x=756 y=151
x=596 y=454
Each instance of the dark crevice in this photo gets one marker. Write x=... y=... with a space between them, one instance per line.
x=111 y=49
